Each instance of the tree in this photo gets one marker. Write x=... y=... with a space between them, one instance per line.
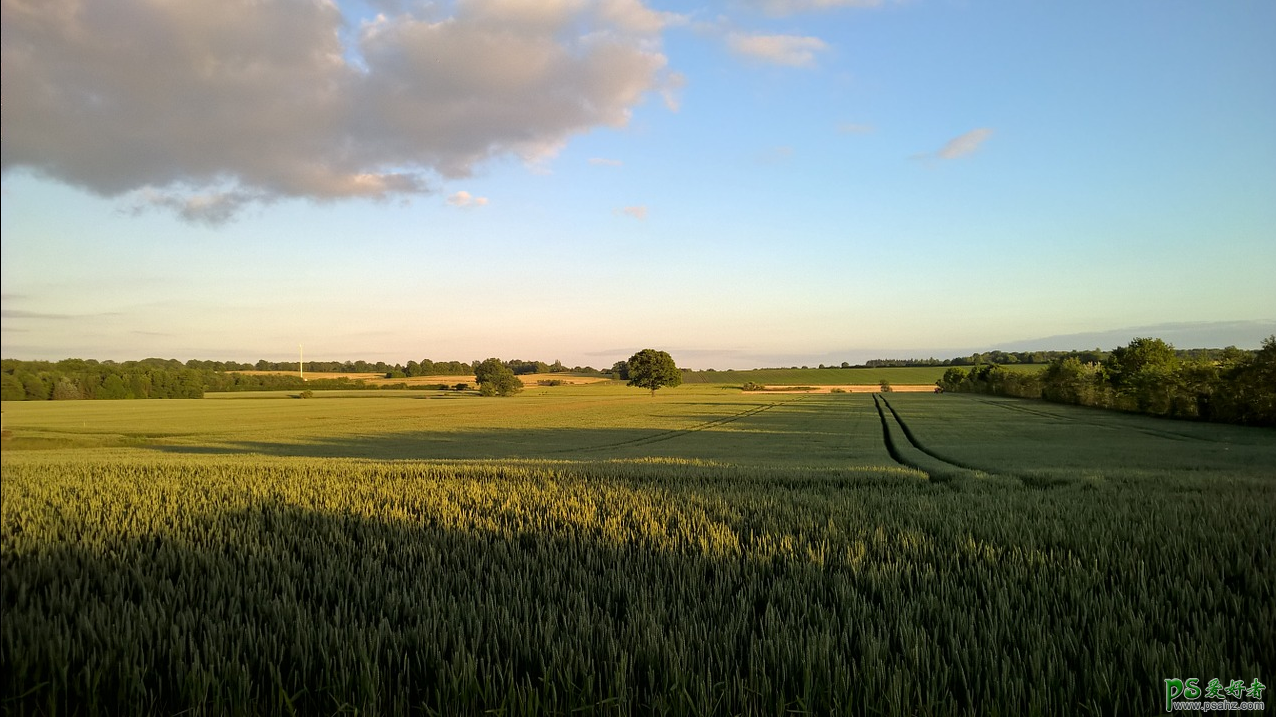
x=12 y=389
x=952 y=380
x=1142 y=356
x=620 y=370
x=113 y=388
x=652 y=369
x=496 y=379
x=1248 y=390
x=66 y=390
x=1145 y=372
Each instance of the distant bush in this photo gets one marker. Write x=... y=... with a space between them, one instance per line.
x=752 y=386
x=551 y=382
x=885 y=386
x=461 y=387
x=837 y=390
x=306 y=394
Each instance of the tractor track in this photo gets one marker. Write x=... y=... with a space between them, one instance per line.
x=889 y=440
x=950 y=467
x=908 y=433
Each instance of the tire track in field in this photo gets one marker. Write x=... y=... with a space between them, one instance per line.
x=1168 y=435
x=960 y=468
x=889 y=440
x=679 y=432
x=908 y=433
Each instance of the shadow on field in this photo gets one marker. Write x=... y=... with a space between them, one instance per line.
x=278 y=609
x=471 y=599
x=469 y=443
x=511 y=443
x=459 y=607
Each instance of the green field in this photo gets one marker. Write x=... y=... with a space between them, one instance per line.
x=594 y=550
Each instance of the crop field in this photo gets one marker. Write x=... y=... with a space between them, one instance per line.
x=595 y=550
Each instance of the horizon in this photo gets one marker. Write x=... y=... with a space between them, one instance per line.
x=745 y=183
x=1200 y=332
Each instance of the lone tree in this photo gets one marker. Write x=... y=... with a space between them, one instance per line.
x=496 y=379
x=652 y=369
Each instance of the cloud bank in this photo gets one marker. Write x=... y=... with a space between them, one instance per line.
x=206 y=108
x=790 y=7
x=789 y=50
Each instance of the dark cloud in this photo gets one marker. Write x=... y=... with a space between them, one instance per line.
x=209 y=107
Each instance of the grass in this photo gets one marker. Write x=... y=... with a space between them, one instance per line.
x=1019 y=436
x=562 y=422
x=594 y=550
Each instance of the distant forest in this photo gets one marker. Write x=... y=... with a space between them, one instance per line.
x=79 y=379
x=1148 y=376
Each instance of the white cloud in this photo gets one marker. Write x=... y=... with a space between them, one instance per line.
x=602 y=162
x=465 y=199
x=636 y=17
x=790 y=7
x=210 y=107
x=638 y=212
x=789 y=50
x=964 y=144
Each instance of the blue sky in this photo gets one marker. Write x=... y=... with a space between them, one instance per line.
x=748 y=183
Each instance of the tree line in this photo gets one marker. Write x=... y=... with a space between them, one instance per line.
x=85 y=378
x=1146 y=376
x=424 y=367
x=81 y=379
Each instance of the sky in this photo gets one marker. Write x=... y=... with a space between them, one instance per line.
x=745 y=183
